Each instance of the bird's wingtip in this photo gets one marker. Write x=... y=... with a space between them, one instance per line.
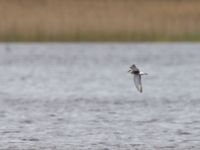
x=140 y=89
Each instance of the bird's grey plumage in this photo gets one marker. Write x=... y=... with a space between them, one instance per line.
x=138 y=82
x=137 y=77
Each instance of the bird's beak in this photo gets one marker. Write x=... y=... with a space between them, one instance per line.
x=129 y=71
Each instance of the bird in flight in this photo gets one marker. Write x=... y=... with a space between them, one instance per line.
x=137 y=77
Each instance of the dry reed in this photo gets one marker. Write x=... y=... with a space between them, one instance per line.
x=104 y=20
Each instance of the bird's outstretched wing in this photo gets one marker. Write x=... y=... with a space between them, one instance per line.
x=134 y=68
x=138 y=82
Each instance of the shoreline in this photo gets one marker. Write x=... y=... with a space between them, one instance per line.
x=99 y=37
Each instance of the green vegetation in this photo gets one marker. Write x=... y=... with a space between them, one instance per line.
x=95 y=37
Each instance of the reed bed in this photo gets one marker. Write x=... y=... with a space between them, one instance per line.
x=100 y=20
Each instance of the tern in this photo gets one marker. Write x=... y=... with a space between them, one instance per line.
x=137 y=77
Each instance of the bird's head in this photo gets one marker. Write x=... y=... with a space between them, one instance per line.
x=133 y=66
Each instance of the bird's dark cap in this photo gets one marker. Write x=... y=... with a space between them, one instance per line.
x=133 y=66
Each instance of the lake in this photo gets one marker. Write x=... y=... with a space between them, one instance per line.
x=80 y=96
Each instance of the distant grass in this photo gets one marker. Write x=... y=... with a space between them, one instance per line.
x=100 y=20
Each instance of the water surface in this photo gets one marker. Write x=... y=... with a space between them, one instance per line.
x=80 y=96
